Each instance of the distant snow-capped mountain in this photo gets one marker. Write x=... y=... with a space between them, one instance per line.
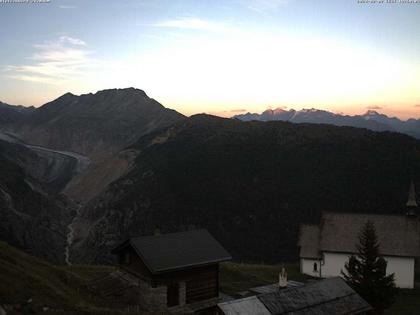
x=371 y=119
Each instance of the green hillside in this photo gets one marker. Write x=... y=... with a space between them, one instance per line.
x=63 y=288
x=236 y=277
x=60 y=288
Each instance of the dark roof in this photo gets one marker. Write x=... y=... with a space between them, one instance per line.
x=245 y=306
x=173 y=251
x=274 y=287
x=330 y=297
x=309 y=241
x=398 y=235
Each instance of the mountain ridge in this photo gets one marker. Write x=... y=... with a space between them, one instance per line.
x=44 y=181
x=94 y=124
x=11 y=114
x=228 y=176
x=372 y=119
x=98 y=126
x=249 y=183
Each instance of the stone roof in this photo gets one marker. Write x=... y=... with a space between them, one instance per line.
x=398 y=235
x=324 y=297
x=329 y=297
x=273 y=287
x=309 y=241
x=174 y=251
x=245 y=306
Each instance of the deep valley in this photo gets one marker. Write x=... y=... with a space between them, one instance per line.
x=249 y=183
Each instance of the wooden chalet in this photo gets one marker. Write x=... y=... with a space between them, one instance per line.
x=176 y=270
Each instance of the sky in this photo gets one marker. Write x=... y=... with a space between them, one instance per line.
x=219 y=57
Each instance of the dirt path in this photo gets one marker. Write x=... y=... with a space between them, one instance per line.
x=70 y=237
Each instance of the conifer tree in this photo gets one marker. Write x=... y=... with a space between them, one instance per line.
x=365 y=272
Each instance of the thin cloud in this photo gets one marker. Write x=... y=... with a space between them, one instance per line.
x=54 y=62
x=374 y=107
x=276 y=107
x=417 y=105
x=33 y=78
x=72 y=41
x=193 y=23
x=67 y=7
x=262 y=6
x=238 y=110
x=227 y=113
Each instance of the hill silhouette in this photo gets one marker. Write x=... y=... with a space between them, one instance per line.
x=250 y=183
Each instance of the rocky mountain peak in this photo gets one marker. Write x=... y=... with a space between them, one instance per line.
x=66 y=96
x=123 y=91
x=275 y=111
x=371 y=113
x=106 y=121
x=372 y=120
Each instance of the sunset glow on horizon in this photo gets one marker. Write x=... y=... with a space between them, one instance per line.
x=221 y=57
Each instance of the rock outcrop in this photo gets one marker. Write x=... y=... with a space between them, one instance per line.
x=31 y=217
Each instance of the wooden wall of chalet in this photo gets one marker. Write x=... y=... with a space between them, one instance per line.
x=202 y=286
x=133 y=263
x=201 y=283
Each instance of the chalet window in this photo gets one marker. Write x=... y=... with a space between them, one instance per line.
x=315 y=267
x=127 y=258
x=172 y=294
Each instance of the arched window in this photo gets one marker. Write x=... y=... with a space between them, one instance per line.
x=315 y=267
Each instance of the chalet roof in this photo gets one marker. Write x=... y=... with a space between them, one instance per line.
x=173 y=251
x=309 y=241
x=398 y=235
x=329 y=297
x=324 y=297
x=274 y=287
x=245 y=306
